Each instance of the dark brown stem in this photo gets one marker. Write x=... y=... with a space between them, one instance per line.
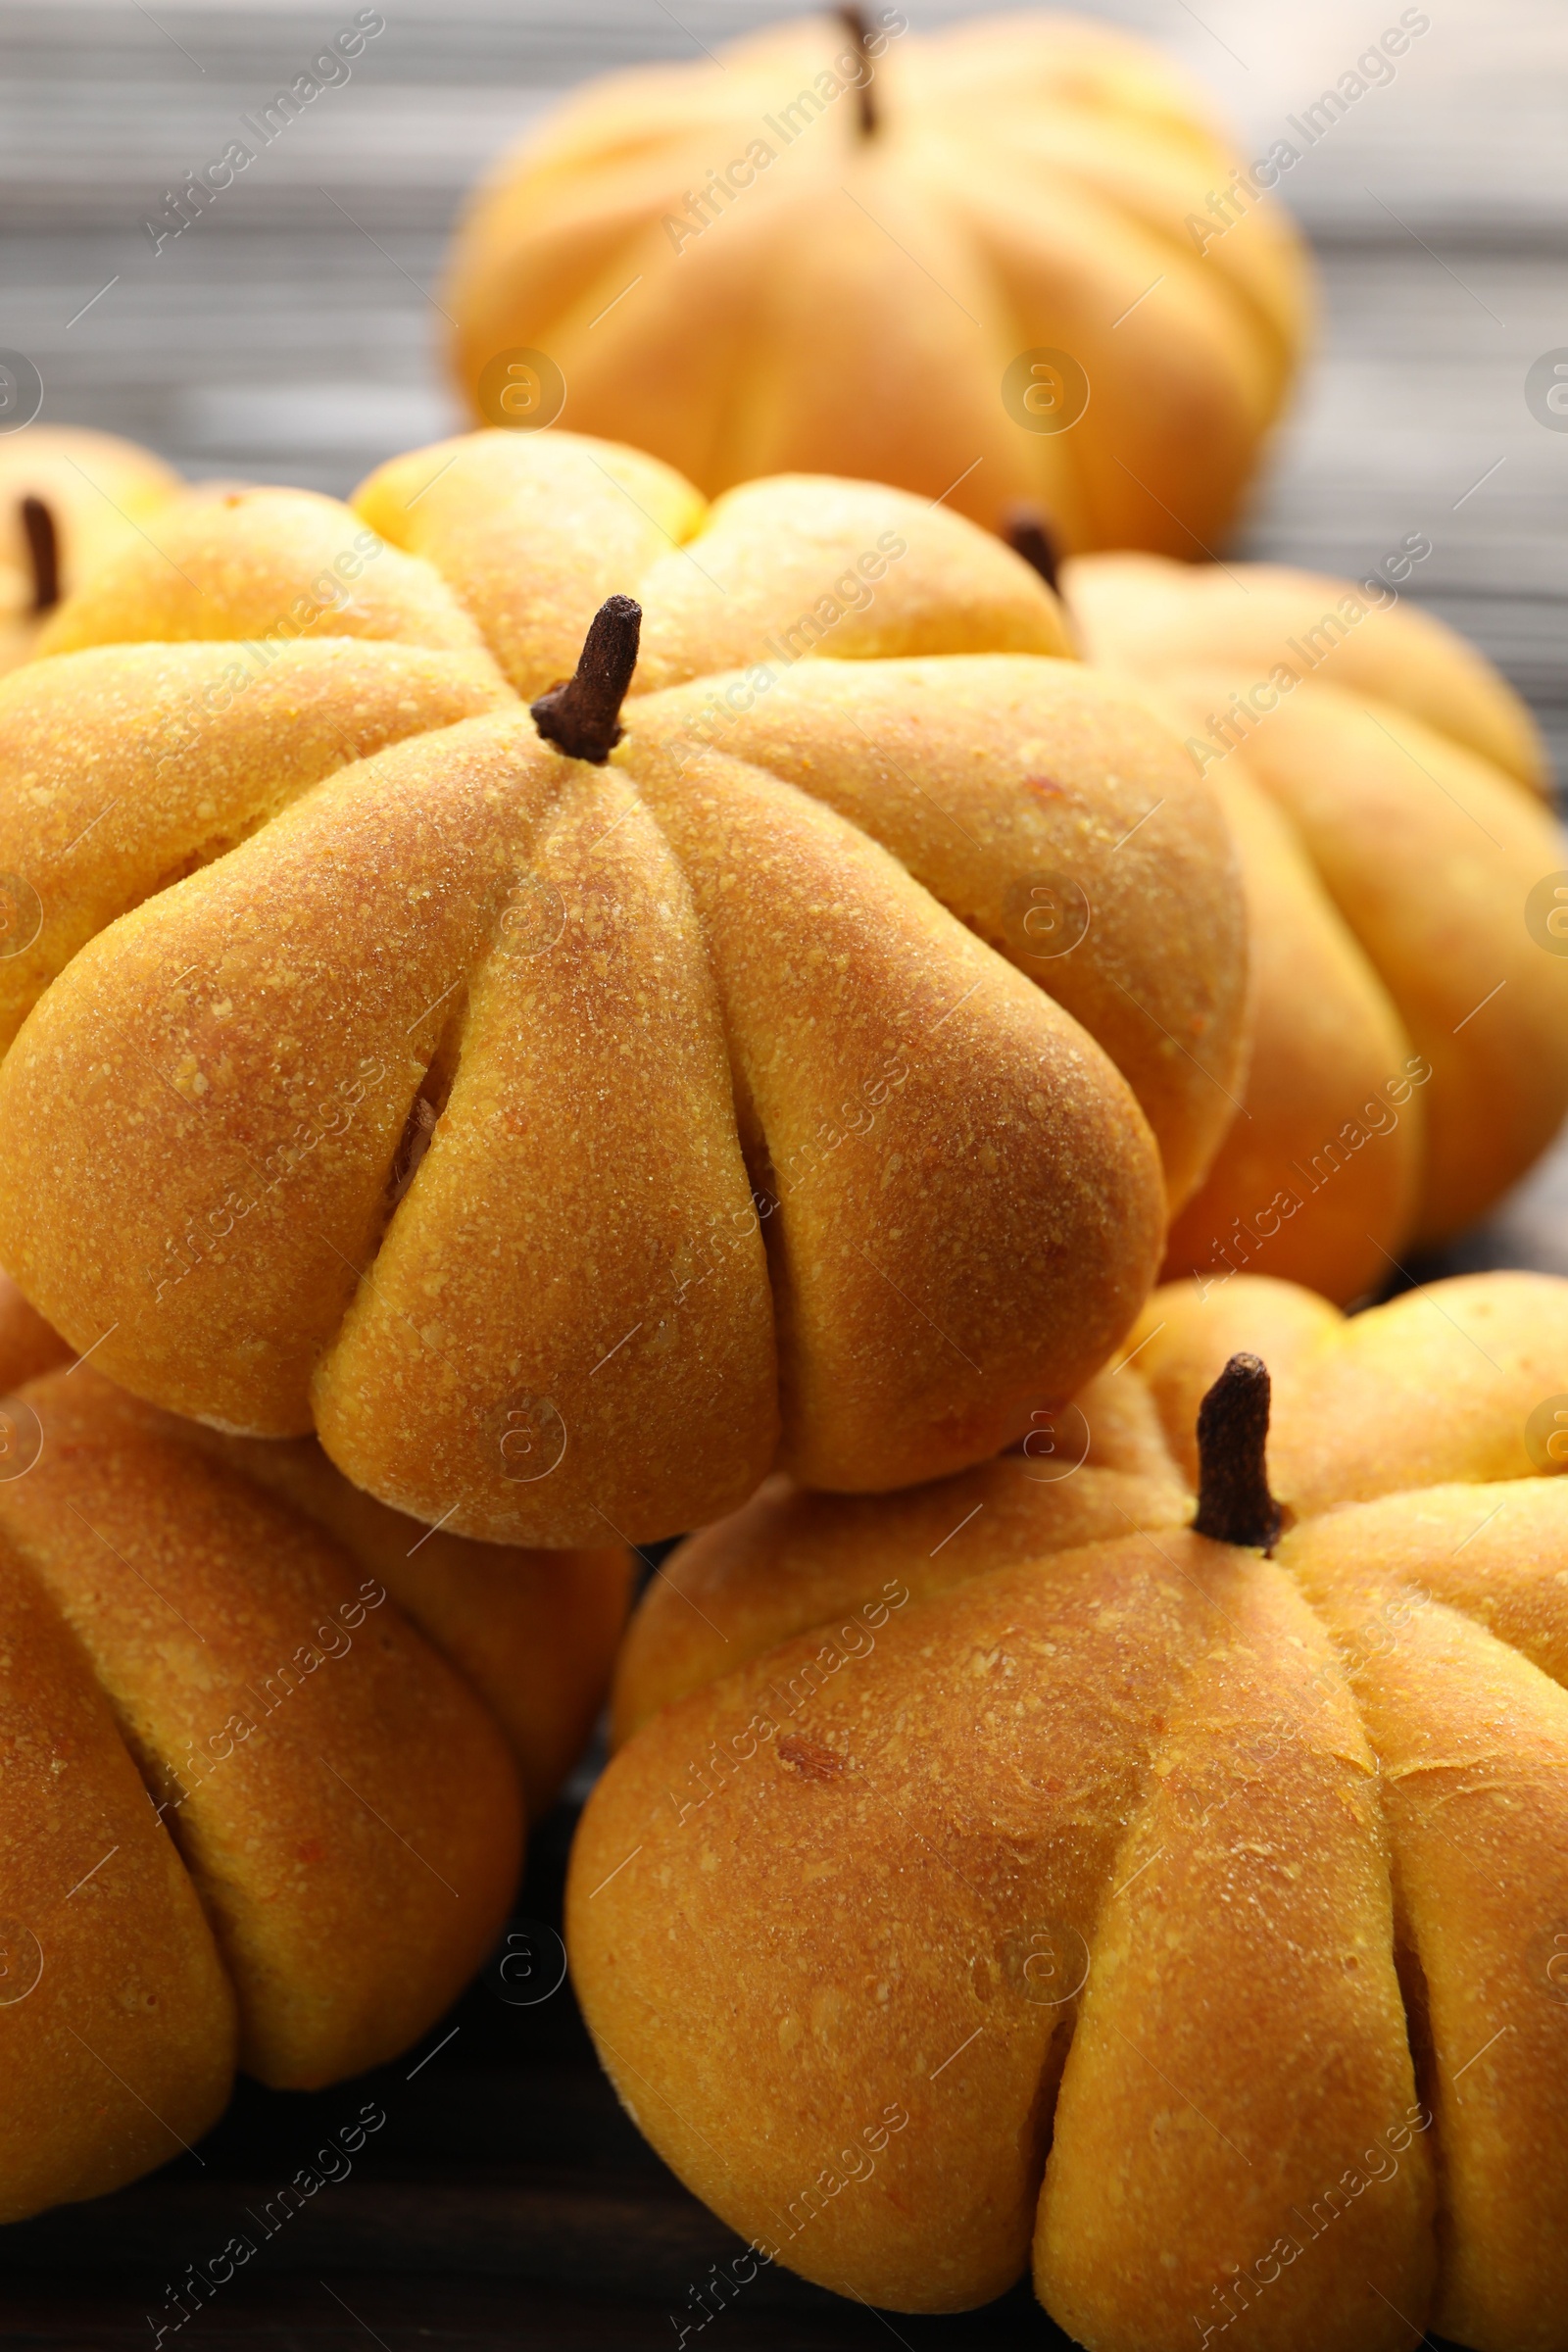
x=582 y=714
x=43 y=547
x=1024 y=530
x=854 y=20
x=1234 y=1503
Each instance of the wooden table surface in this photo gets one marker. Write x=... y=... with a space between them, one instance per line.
x=294 y=335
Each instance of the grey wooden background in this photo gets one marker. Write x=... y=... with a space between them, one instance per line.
x=293 y=334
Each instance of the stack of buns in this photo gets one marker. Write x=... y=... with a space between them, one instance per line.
x=541 y=1014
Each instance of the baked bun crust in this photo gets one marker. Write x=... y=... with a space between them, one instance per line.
x=251 y=1814
x=1390 y=799
x=980 y=1884
x=1029 y=191
x=568 y=1143
x=96 y=492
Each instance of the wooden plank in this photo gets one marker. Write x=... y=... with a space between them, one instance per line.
x=351 y=2309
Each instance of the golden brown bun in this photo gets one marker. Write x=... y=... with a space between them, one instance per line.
x=1191 y=1916
x=848 y=302
x=28 y=1345
x=251 y=1814
x=565 y=1144
x=99 y=491
x=1410 y=1053
x=898 y=575
x=1438 y=1384
x=240 y=566
x=1151 y=617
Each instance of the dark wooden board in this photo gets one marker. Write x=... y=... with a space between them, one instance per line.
x=294 y=334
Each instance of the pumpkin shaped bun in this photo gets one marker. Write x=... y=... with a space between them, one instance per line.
x=265 y=1767
x=985 y=264
x=69 y=499
x=567 y=1114
x=1024 y=1862
x=1390 y=802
